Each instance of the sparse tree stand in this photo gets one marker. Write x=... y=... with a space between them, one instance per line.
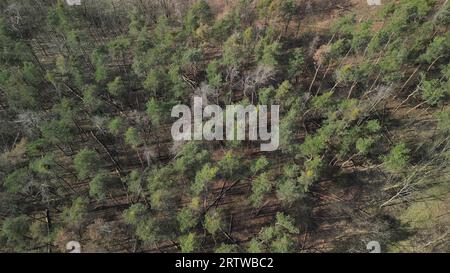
x=86 y=94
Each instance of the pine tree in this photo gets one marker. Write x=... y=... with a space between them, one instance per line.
x=86 y=163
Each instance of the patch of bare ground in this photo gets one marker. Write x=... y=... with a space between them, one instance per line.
x=317 y=16
x=221 y=7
